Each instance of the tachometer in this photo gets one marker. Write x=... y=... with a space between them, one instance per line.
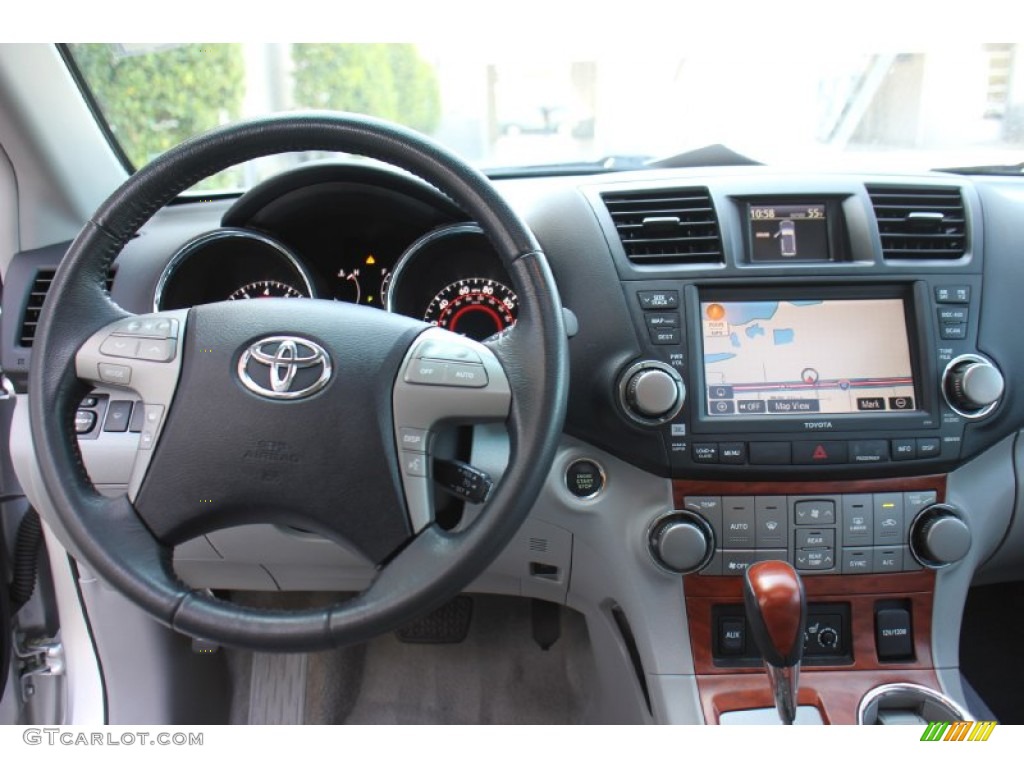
x=266 y=289
x=474 y=306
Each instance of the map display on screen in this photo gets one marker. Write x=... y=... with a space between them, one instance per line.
x=792 y=358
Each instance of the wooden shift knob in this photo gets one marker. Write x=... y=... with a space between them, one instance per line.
x=776 y=611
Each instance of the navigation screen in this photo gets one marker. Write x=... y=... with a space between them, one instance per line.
x=789 y=232
x=794 y=358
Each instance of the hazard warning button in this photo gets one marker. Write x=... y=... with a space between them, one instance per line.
x=819 y=452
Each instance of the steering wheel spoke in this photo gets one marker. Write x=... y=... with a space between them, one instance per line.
x=444 y=379
x=140 y=354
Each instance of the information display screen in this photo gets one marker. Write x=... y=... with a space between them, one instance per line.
x=781 y=233
x=764 y=359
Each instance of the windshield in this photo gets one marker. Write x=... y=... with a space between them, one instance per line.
x=912 y=109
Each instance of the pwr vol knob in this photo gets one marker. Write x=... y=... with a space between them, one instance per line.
x=651 y=392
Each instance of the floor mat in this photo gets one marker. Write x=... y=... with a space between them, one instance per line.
x=991 y=639
x=498 y=674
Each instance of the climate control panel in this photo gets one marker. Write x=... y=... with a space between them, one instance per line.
x=849 y=533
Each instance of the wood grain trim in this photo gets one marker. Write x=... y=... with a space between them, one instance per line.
x=684 y=488
x=835 y=694
x=862 y=616
x=731 y=587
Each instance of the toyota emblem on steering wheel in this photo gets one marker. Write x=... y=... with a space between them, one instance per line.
x=284 y=368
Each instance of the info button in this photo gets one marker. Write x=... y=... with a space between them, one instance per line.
x=870 y=403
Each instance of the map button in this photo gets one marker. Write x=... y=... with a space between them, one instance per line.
x=819 y=452
x=662 y=319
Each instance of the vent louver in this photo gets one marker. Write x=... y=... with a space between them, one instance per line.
x=920 y=222
x=34 y=305
x=36 y=297
x=666 y=226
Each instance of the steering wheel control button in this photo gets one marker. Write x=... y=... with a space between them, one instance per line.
x=119 y=413
x=150 y=426
x=658 y=300
x=138 y=418
x=112 y=373
x=465 y=375
x=157 y=350
x=434 y=349
x=584 y=478
x=414 y=464
x=463 y=480
x=412 y=439
x=149 y=327
x=120 y=346
x=84 y=422
x=426 y=372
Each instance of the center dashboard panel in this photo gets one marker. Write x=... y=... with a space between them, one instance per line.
x=823 y=330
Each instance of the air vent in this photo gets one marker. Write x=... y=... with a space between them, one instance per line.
x=40 y=287
x=667 y=226
x=920 y=222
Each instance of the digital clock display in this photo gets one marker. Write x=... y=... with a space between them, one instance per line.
x=788 y=232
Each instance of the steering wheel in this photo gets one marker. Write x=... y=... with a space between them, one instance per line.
x=314 y=414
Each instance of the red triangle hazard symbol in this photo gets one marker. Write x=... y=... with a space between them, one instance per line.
x=820 y=453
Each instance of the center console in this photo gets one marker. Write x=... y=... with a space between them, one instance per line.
x=810 y=394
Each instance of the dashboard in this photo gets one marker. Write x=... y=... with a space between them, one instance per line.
x=819 y=368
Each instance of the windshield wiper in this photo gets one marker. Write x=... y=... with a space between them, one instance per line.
x=986 y=170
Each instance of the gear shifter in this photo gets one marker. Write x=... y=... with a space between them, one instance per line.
x=776 y=614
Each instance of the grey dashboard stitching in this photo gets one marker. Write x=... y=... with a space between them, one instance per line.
x=196 y=243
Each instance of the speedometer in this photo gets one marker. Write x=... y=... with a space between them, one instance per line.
x=266 y=289
x=474 y=306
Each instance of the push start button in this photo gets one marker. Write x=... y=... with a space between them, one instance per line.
x=584 y=478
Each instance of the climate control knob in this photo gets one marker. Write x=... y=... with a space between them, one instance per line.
x=652 y=392
x=939 y=536
x=972 y=385
x=681 y=542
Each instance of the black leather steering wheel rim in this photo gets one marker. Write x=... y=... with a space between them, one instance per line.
x=108 y=535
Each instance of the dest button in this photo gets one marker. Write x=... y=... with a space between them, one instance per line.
x=819 y=452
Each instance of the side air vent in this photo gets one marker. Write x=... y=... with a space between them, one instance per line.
x=40 y=287
x=666 y=226
x=920 y=222
x=36 y=297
